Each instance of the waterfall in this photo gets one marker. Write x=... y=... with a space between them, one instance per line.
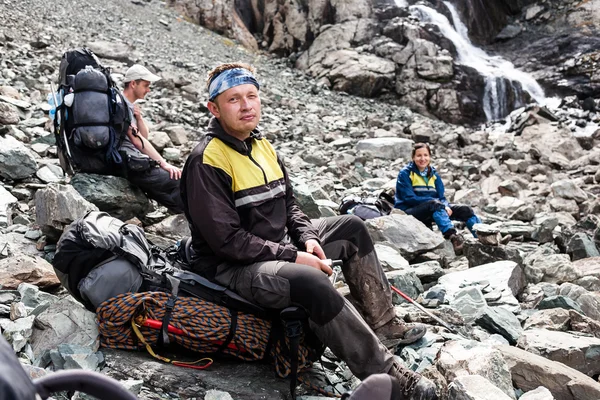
x=497 y=72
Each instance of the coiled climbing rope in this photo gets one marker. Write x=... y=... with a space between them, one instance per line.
x=204 y=327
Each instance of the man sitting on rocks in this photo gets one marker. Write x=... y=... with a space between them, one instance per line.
x=249 y=234
x=160 y=184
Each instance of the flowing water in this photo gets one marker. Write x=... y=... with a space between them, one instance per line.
x=502 y=79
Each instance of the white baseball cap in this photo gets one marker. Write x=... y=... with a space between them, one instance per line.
x=138 y=71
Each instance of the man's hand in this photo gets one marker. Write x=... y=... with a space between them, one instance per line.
x=313 y=261
x=174 y=172
x=313 y=247
x=449 y=211
x=137 y=112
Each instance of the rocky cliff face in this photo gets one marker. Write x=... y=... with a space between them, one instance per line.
x=371 y=47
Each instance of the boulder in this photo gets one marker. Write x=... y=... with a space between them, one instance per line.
x=556 y=319
x=57 y=206
x=568 y=189
x=554 y=268
x=112 y=194
x=65 y=321
x=7 y=201
x=407 y=281
x=475 y=387
x=501 y=321
x=589 y=302
x=506 y=276
x=578 y=352
x=529 y=371
x=23 y=268
x=460 y=358
x=175 y=227
x=16 y=160
x=404 y=233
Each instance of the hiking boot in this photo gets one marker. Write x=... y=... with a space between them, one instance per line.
x=413 y=385
x=457 y=243
x=398 y=332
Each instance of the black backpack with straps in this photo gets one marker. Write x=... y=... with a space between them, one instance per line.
x=91 y=117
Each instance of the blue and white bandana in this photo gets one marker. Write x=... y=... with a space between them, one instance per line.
x=228 y=79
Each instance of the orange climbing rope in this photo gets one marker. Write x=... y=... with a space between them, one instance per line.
x=133 y=320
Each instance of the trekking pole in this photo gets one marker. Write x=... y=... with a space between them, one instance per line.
x=420 y=307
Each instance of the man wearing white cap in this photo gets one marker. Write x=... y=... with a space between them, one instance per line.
x=160 y=184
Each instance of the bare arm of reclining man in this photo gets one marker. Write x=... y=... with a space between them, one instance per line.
x=143 y=145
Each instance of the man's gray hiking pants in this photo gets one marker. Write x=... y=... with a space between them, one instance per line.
x=346 y=330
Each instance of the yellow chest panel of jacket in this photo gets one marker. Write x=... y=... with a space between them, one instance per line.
x=246 y=172
x=420 y=183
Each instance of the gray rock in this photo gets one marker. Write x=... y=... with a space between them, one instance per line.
x=554 y=268
x=159 y=140
x=175 y=227
x=178 y=134
x=386 y=148
x=306 y=199
x=111 y=50
x=407 y=282
x=50 y=174
x=578 y=352
x=428 y=271
x=558 y=302
x=564 y=382
x=18 y=332
x=556 y=319
x=474 y=387
x=404 y=233
x=33 y=297
x=569 y=189
x=16 y=160
x=541 y=393
x=581 y=246
x=501 y=321
x=65 y=321
x=459 y=358
x=390 y=258
x=506 y=275
x=57 y=206
x=479 y=253
x=217 y=395
x=72 y=356
x=112 y=194
x=589 y=302
x=470 y=303
x=7 y=201
x=9 y=115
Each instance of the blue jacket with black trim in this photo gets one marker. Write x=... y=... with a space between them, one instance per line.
x=413 y=189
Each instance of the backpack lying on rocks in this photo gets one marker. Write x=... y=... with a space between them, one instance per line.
x=369 y=207
x=91 y=117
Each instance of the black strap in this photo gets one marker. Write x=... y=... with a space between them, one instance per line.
x=89 y=90
x=232 y=330
x=163 y=336
x=293 y=331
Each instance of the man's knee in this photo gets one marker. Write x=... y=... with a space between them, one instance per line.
x=312 y=290
x=354 y=230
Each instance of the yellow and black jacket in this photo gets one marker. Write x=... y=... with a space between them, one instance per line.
x=239 y=203
x=413 y=189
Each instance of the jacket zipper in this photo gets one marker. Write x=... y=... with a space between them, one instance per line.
x=249 y=147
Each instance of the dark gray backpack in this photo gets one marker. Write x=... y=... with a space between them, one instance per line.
x=96 y=249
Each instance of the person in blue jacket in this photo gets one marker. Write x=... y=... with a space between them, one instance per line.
x=420 y=193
